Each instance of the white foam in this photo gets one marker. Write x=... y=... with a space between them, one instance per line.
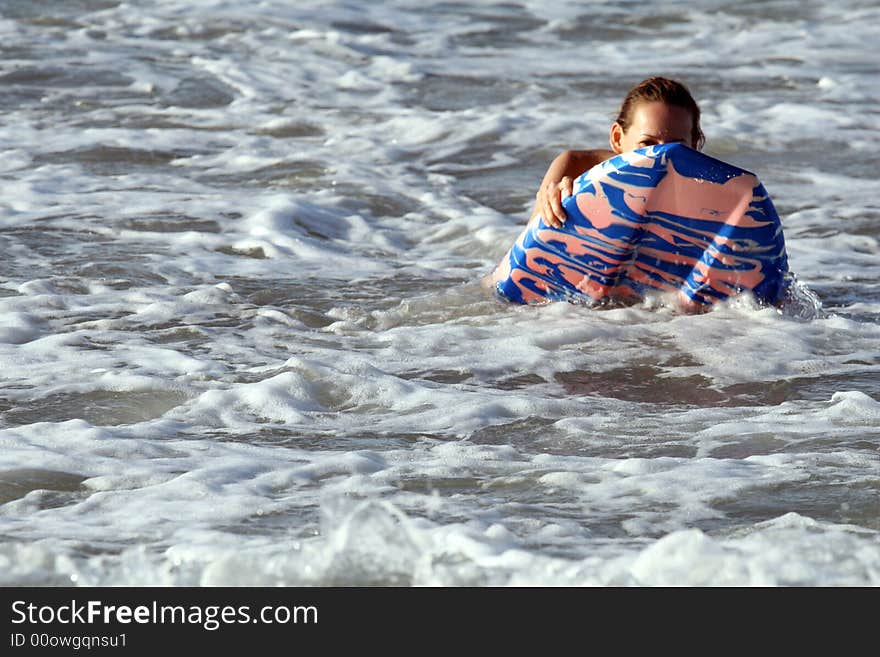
x=240 y=303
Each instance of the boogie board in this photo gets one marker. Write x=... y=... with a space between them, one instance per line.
x=662 y=219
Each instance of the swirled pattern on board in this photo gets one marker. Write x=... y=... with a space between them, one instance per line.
x=662 y=219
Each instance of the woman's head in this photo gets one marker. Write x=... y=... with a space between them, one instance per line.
x=657 y=111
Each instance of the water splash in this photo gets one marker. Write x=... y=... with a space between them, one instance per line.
x=800 y=302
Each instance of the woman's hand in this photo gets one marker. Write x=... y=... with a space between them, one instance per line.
x=548 y=200
x=558 y=183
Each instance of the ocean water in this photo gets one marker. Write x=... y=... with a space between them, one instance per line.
x=243 y=342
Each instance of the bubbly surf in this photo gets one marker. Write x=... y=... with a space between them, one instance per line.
x=243 y=340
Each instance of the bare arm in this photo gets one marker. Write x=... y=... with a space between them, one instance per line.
x=558 y=180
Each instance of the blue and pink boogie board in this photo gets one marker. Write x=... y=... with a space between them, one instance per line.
x=663 y=219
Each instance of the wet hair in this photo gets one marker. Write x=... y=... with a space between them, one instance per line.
x=663 y=90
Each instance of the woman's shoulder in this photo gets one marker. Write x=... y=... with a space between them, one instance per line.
x=592 y=157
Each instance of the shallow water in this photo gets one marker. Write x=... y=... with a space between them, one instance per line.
x=242 y=339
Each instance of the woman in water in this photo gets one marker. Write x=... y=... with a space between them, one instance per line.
x=656 y=111
x=648 y=228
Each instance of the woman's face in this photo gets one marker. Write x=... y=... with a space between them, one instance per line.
x=652 y=124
